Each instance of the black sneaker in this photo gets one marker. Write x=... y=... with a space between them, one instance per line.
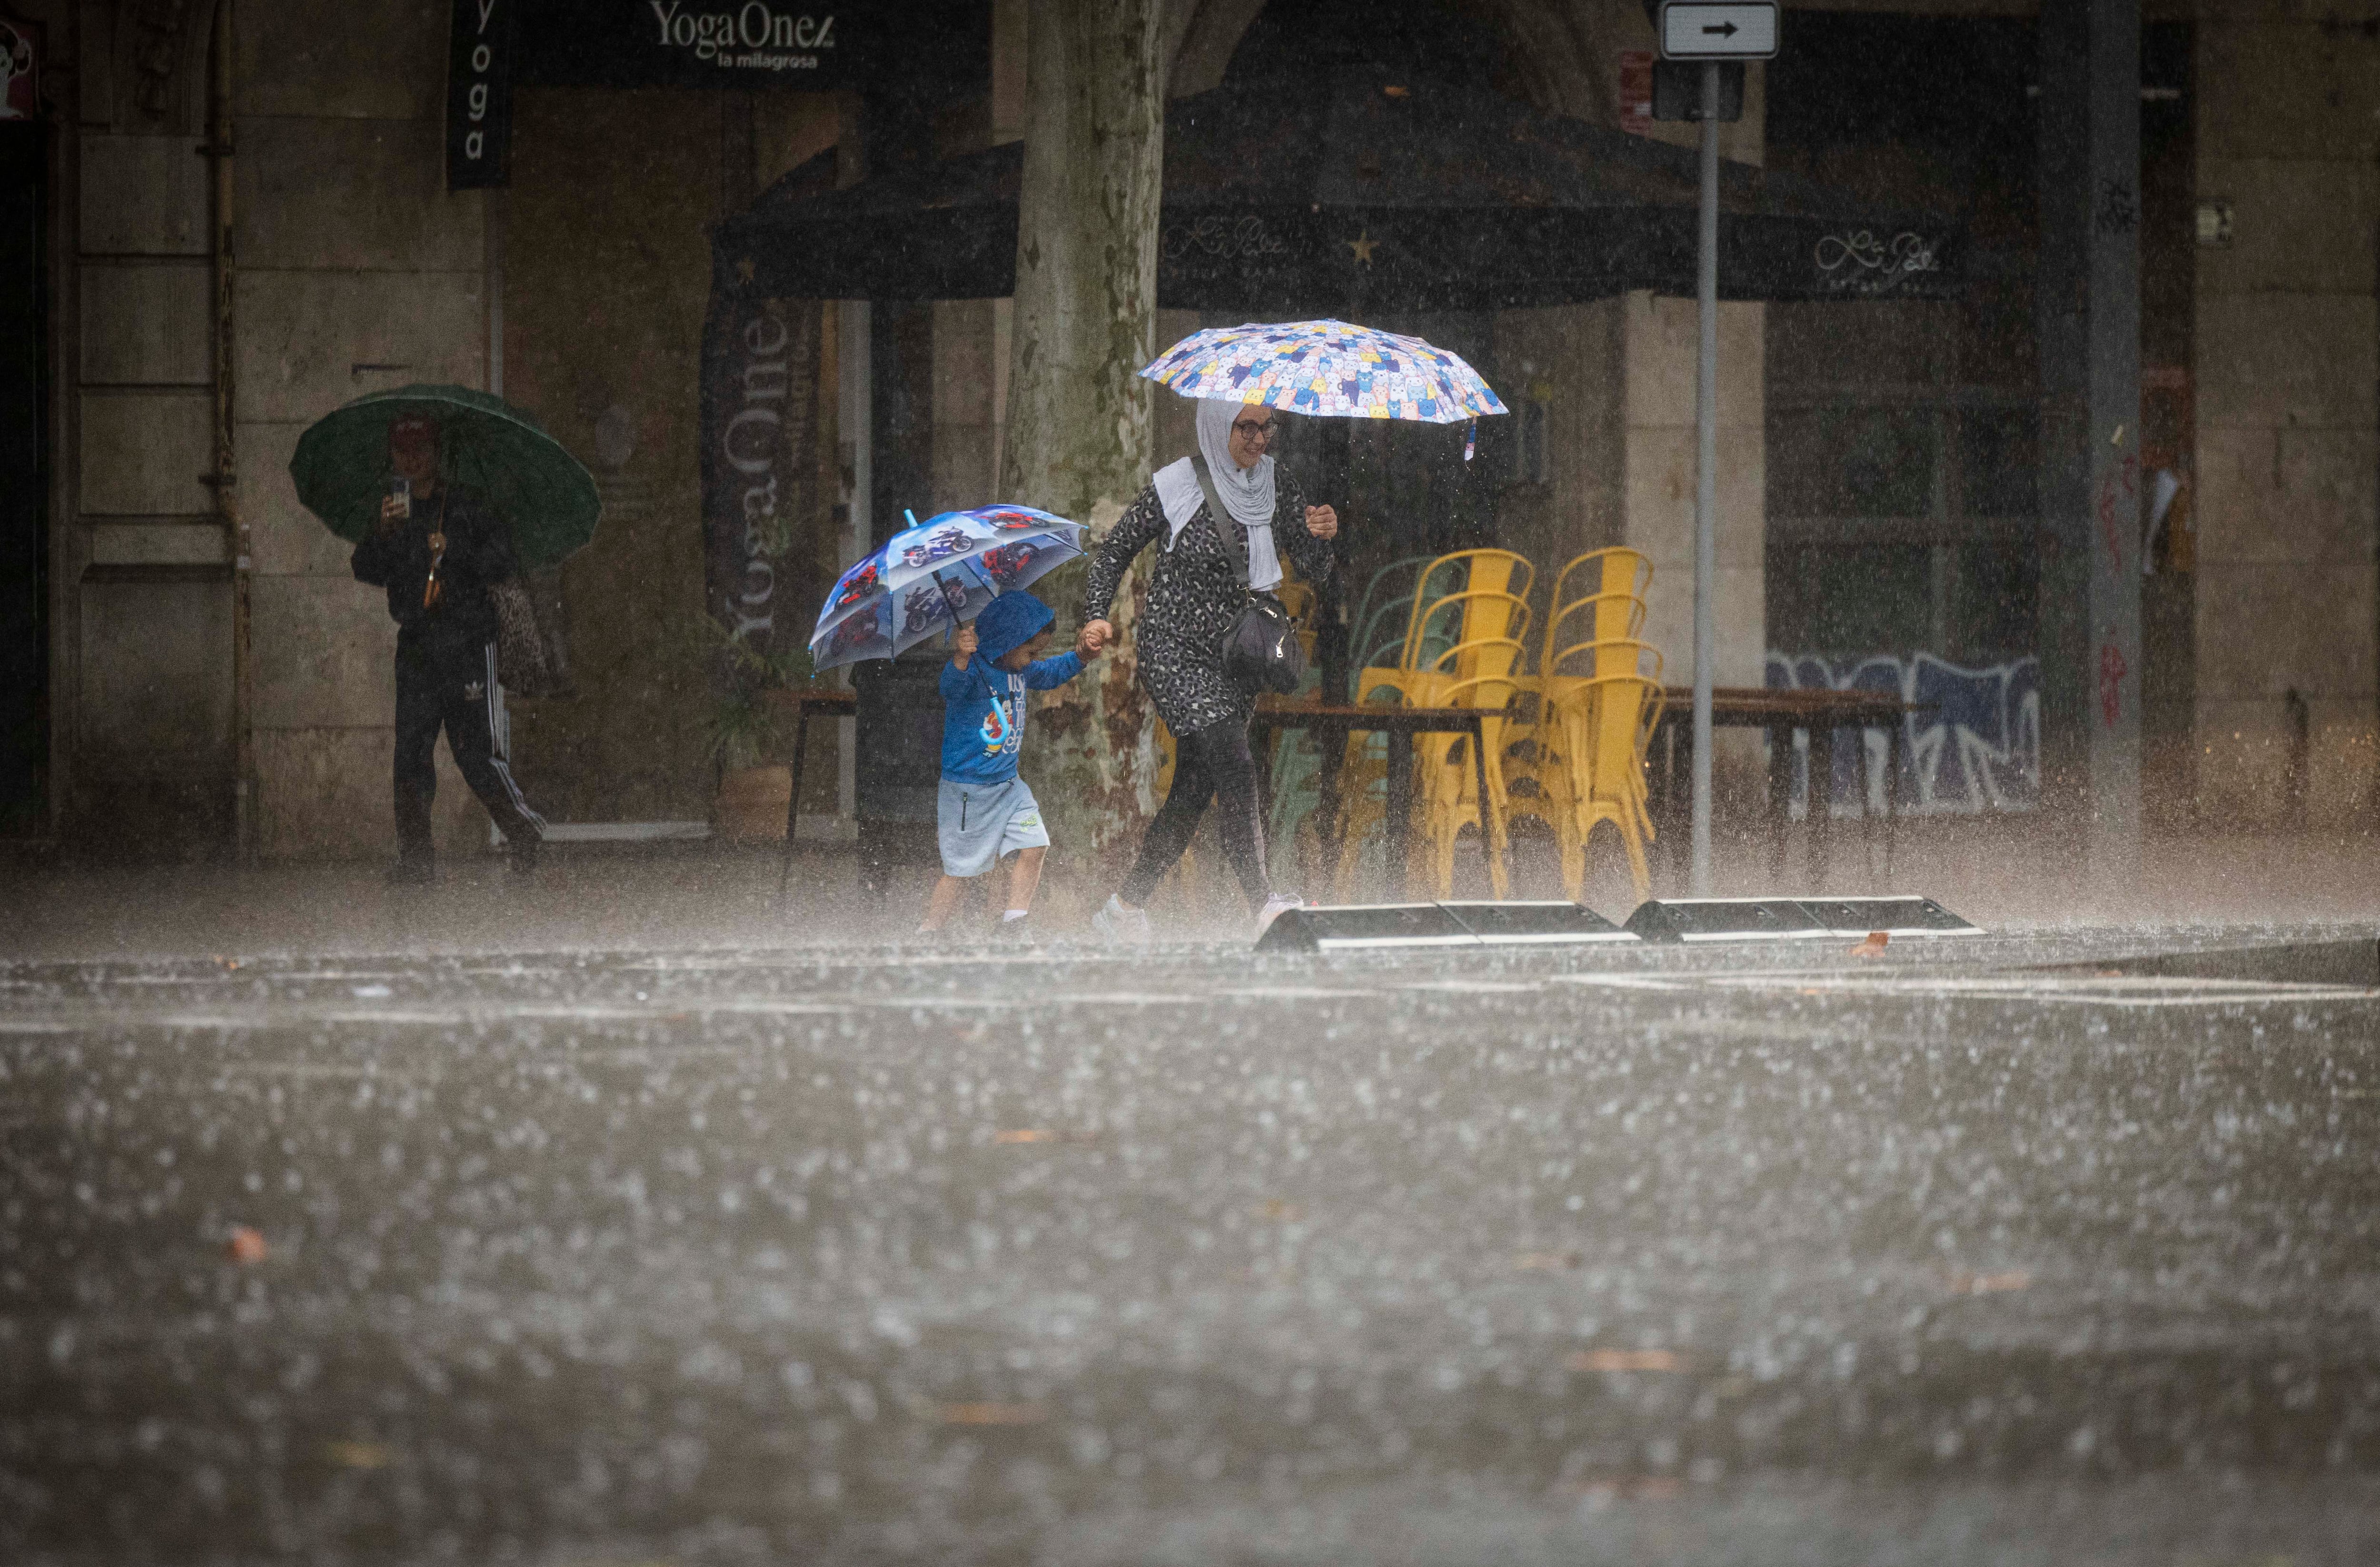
x=411 y=872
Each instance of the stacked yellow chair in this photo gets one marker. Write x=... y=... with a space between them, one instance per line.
x=1463 y=643
x=1609 y=719
x=1599 y=695
x=1449 y=795
x=1363 y=775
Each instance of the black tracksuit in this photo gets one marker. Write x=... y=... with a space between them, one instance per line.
x=446 y=660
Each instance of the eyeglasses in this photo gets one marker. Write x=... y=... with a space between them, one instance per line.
x=1250 y=431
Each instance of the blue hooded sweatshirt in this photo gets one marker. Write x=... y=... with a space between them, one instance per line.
x=983 y=721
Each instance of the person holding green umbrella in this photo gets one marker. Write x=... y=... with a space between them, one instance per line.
x=438 y=550
x=446 y=492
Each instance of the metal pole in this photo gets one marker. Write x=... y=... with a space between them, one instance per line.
x=226 y=440
x=1705 y=478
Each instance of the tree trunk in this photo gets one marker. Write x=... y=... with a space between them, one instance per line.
x=1078 y=414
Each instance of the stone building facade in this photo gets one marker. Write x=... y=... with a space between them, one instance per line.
x=579 y=293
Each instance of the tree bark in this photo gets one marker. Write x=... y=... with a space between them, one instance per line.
x=1077 y=440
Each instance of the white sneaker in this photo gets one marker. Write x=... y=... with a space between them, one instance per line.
x=1280 y=903
x=1121 y=925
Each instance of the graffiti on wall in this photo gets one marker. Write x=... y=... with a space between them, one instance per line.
x=1975 y=748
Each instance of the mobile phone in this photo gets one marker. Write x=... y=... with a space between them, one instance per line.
x=400 y=489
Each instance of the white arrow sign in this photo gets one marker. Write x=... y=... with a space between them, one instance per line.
x=1710 y=30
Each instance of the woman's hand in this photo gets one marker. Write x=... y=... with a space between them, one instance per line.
x=1097 y=634
x=391 y=512
x=1322 y=522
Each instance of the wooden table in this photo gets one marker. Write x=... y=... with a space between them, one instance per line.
x=828 y=700
x=1399 y=725
x=1781 y=712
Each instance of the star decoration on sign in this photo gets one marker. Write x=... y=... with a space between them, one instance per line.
x=1363 y=246
x=743 y=269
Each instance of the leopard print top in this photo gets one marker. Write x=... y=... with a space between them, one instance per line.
x=1195 y=599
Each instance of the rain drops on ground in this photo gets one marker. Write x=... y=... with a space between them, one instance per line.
x=797 y=1260
x=1623 y=1360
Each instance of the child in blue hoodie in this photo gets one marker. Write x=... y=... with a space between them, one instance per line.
x=986 y=812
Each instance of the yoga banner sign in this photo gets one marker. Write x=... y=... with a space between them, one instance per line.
x=796 y=45
x=760 y=468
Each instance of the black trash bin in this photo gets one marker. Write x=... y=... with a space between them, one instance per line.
x=899 y=763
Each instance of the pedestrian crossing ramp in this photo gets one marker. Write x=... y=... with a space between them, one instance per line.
x=1505 y=923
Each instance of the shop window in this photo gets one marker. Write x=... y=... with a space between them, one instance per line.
x=1998 y=458
x=1997 y=600
x=1850 y=598
x=1851 y=461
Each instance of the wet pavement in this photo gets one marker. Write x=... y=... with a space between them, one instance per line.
x=2015 y=1251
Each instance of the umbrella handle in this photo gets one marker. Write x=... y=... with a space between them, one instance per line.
x=951 y=630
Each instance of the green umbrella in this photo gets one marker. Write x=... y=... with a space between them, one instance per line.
x=485 y=444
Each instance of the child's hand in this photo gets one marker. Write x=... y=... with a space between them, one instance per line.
x=1088 y=644
x=963 y=645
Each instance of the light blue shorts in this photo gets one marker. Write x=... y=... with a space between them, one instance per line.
x=982 y=822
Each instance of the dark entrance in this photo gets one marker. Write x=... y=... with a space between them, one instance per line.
x=1903 y=436
x=24 y=484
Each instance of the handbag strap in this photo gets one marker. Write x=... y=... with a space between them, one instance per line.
x=1232 y=552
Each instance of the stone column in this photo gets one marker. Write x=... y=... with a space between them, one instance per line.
x=2090 y=326
x=1078 y=416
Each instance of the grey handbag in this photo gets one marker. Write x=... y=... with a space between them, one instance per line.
x=1261 y=650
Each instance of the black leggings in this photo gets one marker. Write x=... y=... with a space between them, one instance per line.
x=1208 y=763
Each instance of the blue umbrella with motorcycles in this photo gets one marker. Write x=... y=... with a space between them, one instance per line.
x=935 y=575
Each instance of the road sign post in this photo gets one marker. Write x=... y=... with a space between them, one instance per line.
x=1712 y=31
x=1705 y=478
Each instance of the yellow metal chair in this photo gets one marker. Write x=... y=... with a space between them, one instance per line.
x=1468 y=597
x=1598 y=612
x=1451 y=576
x=1606 y=719
x=1576 y=629
x=1472 y=595
x=1615 y=570
x=1598 y=617
x=1487 y=617
x=1471 y=673
x=1612 y=622
x=1449 y=798
x=1471 y=616
x=1618 y=656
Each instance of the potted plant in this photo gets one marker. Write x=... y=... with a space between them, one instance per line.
x=743 y=730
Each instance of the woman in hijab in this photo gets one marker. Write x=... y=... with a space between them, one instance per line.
x=1194 y=599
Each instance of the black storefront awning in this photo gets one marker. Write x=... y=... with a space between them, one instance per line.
x=1376 y=196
